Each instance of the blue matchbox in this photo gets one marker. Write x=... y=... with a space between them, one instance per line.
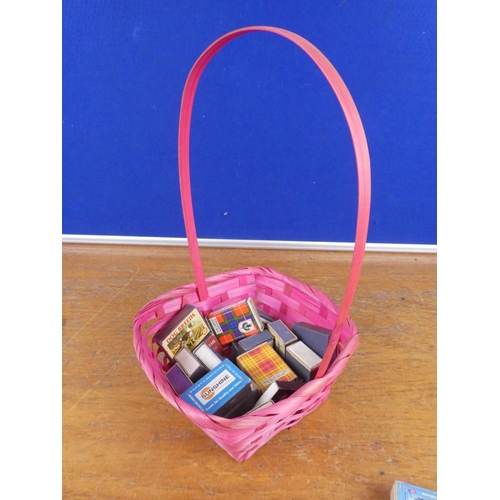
x=220 y=390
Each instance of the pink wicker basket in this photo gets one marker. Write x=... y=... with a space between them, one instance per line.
x=282 y=296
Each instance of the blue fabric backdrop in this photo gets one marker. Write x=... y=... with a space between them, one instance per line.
x=271 y=153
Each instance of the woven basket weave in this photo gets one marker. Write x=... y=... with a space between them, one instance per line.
x=282 y=296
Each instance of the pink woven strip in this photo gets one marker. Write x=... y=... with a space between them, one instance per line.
x=360 y=149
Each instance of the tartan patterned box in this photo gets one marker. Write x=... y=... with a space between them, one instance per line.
x=235 y=322
x=264 y=366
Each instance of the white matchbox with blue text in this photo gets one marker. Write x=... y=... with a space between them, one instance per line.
x=220 y=390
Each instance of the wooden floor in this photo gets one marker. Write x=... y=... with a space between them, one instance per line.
x=122 y=440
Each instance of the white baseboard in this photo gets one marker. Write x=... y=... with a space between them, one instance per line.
x=269 y=244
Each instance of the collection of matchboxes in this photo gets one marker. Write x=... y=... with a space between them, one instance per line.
x=238 y=359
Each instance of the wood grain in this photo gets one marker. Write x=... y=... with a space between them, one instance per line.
x=121 y=440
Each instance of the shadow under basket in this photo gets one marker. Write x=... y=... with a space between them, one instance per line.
x=275 y=293
x=281 y=296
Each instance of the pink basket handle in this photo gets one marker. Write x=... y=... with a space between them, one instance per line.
x=360 y=150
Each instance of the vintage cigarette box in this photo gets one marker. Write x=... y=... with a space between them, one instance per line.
x=282 y=335
x=315 y=337
x=187 y=329
x=190 y=364
x=208 y=357
x=178 y=380
x=220 y=390
x=304 y=361
x=277 y=391
x=264 y=366
x=249 y=343
x=235 y=322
